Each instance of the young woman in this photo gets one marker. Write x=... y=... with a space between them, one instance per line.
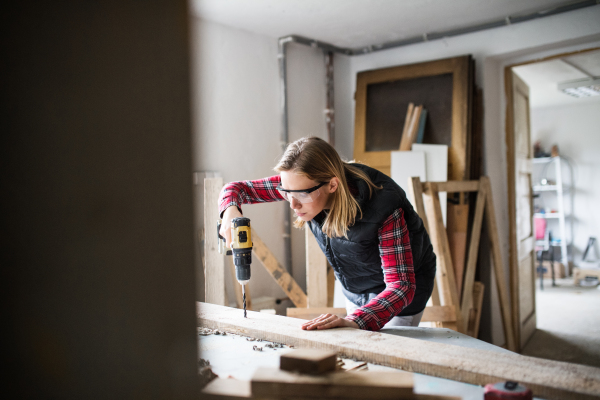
x=363 y=222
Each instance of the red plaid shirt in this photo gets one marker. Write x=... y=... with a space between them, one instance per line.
x=394 y=248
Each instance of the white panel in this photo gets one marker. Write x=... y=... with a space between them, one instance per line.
x=436 y=167
x=407 y=164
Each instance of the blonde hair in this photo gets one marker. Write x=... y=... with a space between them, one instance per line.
x=317 y=160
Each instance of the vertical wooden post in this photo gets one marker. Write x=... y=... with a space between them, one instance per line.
x=214 y=266
x=498 y=265
x=467 y=292
x=316 y=272
x=445 y=272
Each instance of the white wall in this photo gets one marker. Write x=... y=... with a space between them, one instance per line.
x=576 y=131
x=492 y=49
x=237 y=122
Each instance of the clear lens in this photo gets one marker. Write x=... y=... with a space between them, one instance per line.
x=302 y=197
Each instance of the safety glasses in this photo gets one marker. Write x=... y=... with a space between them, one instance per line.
x=303 y=196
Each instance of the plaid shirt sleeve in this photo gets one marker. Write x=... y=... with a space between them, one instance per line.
x=399 y=276
x=249 y=192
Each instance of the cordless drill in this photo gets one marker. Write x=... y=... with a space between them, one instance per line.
x=241 y=248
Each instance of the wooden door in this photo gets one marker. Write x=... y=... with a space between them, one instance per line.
x=522 y=235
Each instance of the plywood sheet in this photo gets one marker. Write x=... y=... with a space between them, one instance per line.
x=405 y=165
x=436 y=167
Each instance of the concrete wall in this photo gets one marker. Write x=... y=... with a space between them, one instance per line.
x=97 y=257
x=576 y=130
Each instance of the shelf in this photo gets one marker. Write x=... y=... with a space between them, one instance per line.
x=542 y=160
x=547 y=215
x=545 y=188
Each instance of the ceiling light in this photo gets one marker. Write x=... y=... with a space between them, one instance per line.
x=581 y=88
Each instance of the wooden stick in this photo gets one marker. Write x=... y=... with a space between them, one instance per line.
x=467 y=296
x=547 y=379
x=281 y=276
x=330 y=286
x=445 y=273
x=316 y=271
x=498 y=265
x=409 y=113
x=214 y=266
x=475 y=315
x=455 y=186
x=415 y=189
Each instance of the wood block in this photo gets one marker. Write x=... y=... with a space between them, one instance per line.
x=308 y=361
x=439 y=314
x=274 y=382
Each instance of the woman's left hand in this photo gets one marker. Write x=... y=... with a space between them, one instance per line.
x=328 y=321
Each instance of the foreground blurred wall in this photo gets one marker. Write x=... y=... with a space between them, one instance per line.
x=96 y=230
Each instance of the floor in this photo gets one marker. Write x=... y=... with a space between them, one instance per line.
x=568 y=322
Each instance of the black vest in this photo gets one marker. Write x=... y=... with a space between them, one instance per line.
x=356 y=260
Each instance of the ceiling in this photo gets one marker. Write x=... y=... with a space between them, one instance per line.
x=543 y=78
x=359 y=23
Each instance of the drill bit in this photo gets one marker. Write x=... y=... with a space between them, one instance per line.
x=244 y=295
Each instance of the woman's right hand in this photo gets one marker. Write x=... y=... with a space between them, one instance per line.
x=225 y=231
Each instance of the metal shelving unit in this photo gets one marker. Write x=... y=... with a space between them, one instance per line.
x=559 y=190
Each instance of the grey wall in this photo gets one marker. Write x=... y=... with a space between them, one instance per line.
x=97 y=260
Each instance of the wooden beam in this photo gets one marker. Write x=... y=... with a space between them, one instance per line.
x=281 y=276
x=312 y=313
x=475 y=314
x=439 y=314
x=214 y=263
x=467 y=292
x=316 y=272
x=492 y=227
x=454 y=186
x=445 y=272
x=330 y=286
x=234 y=389
x=547 y=379
x=415 y=188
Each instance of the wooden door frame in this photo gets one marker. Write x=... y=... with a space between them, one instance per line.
x=511 y=182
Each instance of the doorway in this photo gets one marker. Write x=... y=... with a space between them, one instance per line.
x=553 y=149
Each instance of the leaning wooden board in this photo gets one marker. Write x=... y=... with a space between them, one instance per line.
x=547 y=379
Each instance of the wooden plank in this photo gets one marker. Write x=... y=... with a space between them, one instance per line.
x=436 y=168
x=330 y=286
x=547 y=379
x=274 y=382
x=475 y=314
x=409 y=113
x=234 y=389
x=281 y=276
x=312 y=313
x=490 y=215
x=457 y=186
x=445 y=272
x=214 y=263
x=316 y=272
x=415 y=189
x=408 y=139
x=309 y=361
x=467 y=293
x=439 y=314
x=456 y=228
